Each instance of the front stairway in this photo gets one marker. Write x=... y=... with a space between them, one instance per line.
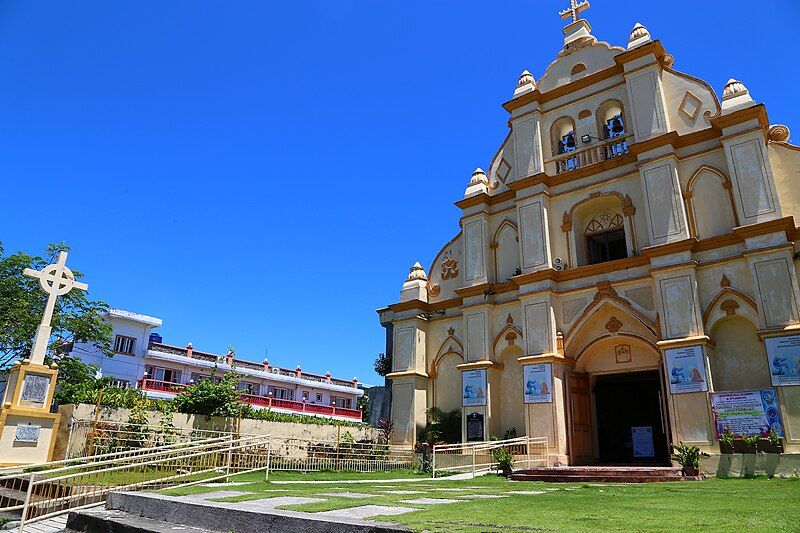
x=601 y=474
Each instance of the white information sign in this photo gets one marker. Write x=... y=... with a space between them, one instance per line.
x=686 y=369
x=537 y=383
x=473 y=387
x=642 y=437
x=783 y=354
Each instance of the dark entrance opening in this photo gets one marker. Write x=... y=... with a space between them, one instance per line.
x=630 y=429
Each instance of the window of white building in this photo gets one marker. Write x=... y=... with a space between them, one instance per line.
x=344 y=403
x=124 y=345
x=282 y=394
x=163 y=374
x=249 y=388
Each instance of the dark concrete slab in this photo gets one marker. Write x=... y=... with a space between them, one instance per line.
x=233 y=518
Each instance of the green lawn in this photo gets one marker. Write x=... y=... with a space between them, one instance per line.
x=710 y=505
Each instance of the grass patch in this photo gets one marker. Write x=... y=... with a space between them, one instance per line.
x=710 y=505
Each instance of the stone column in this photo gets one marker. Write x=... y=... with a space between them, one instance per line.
x=409 y=379
x=681 y=324
x=542 y=346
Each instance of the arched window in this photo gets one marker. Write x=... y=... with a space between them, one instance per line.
x=605 y=237
x=578 y=71
x=611 y=125
x=563 y=135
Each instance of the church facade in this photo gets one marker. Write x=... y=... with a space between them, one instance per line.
x=624 y=277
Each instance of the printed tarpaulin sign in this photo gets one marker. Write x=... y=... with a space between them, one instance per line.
x=783 y=354
x=537 y=383
x=473 y=387
x=642 y=438
x=686 y=369
x=746 y=412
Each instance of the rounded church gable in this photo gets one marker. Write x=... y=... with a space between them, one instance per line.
x=594 y=58
x=445 y=274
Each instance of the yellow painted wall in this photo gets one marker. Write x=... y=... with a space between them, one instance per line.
x=739 y=361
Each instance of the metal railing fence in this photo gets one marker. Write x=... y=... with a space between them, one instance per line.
x=50 y=489
x=293 y=454
x=480 y=456
x=90 y=437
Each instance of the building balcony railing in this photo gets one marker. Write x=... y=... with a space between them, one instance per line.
x=241 y=364
x=608 y=149
x=262 y=401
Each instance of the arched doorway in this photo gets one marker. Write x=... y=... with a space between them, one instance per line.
x=617 y=409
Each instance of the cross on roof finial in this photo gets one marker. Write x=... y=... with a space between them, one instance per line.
x=574 y=10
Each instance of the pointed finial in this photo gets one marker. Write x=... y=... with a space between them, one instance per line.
x=525 y=84
x=639 y=36
x=732 y=88
x=416 y=272
x=478 y=183
x=735 y=96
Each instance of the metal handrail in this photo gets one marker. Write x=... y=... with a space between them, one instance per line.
x=93 y=459
x=56 y=491
x=477 y=456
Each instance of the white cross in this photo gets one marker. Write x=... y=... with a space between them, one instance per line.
x=574 y=10
x=56 y=280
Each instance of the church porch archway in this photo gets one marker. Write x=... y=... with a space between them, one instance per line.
x=617 y=413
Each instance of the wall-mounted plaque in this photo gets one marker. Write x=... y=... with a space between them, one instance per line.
x=35 y=388
x=475 y=427
x=27 y=433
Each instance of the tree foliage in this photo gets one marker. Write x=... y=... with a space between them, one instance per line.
x=443 y=426
x=383 y=364
x=207 y=397
x=76 y=318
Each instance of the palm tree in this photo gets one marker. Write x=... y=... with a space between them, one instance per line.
x=442 y=426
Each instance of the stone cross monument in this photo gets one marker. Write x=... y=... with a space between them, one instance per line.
x=56 y=280
x=27 y=427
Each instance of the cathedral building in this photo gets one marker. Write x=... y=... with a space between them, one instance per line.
x=624 y=276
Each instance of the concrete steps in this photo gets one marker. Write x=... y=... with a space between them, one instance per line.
x=601 y=474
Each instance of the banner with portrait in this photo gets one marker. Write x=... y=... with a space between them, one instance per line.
x=783 y=354
x=473 y=387
x=537 y=383
x=686 y=369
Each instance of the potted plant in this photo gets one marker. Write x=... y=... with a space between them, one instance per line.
x=773 y=448
x=749 y=455
x=504 y=459
x=689 y=458
x=726 y=440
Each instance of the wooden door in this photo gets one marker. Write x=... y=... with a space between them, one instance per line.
x=580 y=420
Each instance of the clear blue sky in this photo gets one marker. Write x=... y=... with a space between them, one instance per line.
x=262 y=174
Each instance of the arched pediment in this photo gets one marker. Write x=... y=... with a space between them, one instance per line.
x=705 y=167
x=506 y=224
x=510 y=333
x=450 y=346
x=608 y=315
x=729 y=301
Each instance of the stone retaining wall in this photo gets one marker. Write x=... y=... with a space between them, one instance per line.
x=184 y=421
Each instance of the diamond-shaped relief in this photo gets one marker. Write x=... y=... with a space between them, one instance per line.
x=503 y=170
x=690 y=106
